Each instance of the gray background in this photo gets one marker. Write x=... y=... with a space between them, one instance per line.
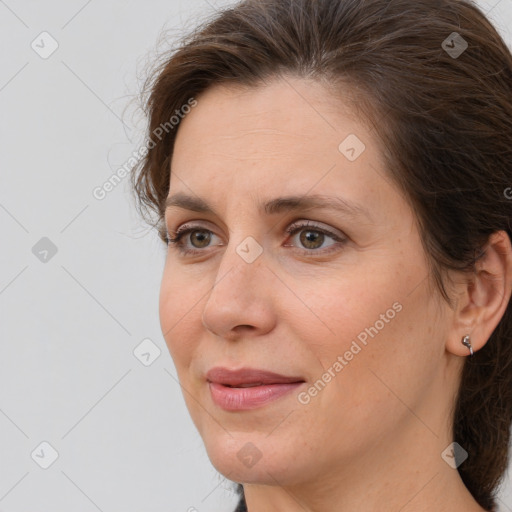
x=70 y=321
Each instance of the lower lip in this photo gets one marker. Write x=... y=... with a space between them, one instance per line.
x=241 y=399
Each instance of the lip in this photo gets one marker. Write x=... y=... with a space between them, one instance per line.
x=227 y=391
x=243 y=376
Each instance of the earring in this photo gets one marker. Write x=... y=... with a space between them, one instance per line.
x=466 y=343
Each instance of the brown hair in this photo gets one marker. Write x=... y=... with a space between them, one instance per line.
x=445 y=124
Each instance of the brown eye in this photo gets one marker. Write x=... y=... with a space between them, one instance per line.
x=200 y=238
x=191 y=240
x=311 y=239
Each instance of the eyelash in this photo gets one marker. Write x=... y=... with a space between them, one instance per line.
x=177 y=241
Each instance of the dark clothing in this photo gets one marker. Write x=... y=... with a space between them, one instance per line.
x=241 y=507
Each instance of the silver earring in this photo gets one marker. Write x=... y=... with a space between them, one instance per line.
x=466 y=343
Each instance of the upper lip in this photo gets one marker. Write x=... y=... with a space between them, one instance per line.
x=241 y=376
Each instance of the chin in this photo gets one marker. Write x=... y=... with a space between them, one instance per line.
x=251 y=458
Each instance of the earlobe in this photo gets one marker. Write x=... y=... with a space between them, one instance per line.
x=484 y=298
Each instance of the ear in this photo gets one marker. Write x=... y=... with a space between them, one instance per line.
x=483 y=299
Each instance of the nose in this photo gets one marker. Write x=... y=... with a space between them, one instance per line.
x=240 y=302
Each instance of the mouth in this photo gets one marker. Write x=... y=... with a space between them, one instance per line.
x=251 y=385
x=248 y=377
x=248 y=388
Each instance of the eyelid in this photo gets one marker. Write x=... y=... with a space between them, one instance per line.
x=190 y=224
x=304 y=223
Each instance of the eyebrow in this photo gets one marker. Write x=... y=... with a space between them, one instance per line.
x=277 y=205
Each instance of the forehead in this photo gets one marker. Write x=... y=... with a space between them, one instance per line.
x=289 y=135
x=289 y=105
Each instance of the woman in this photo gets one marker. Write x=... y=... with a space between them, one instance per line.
x=335 y=200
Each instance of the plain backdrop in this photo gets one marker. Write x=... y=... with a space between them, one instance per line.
x=91 y=415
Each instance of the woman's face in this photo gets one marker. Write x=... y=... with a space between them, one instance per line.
x=340 y=305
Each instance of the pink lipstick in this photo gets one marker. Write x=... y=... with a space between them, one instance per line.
x=248 y=388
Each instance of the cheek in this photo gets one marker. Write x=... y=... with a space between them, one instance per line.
x=384 y=358
x=178 y=314
x=337 y=310
x=368 y=331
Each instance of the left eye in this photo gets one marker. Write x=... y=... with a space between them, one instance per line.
x=311 y=237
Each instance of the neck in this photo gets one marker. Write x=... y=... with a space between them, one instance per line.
x=403 y=472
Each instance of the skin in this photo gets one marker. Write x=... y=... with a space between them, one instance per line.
x=372 y=439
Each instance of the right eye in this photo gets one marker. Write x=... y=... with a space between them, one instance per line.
x=200 y=236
